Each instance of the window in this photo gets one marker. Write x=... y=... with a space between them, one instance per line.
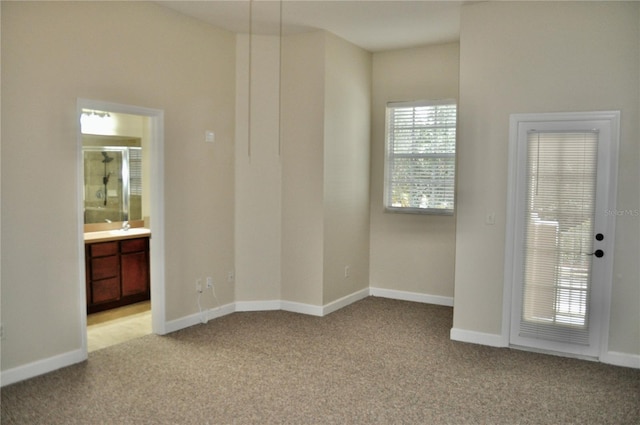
x=420 y=157
x=135 y=171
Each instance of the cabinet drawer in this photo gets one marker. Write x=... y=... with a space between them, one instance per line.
x=133 y=245
x=105 y=290
x=104 y=248
x=104 y=267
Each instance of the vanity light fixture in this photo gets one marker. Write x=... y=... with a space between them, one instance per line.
x=99 y=114
x=97 y=122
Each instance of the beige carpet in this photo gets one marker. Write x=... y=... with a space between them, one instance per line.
x=119 y=325
x=377 y=361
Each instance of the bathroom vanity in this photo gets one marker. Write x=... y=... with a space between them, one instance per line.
x=117 y=268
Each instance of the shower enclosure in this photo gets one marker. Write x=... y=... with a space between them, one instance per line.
x=112 y=183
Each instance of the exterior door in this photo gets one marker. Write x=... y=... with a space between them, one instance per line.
x=562 y=204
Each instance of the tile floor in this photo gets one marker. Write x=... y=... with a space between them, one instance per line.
x=118 y=325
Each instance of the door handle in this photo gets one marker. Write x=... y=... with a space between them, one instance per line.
x=599 y=236
x=598 y=253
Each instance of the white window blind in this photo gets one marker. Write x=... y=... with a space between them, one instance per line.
x=420 y=157
x=135 y=171
x=558 y=243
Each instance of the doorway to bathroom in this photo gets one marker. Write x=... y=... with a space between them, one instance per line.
x=120 y=190
x=115 y=326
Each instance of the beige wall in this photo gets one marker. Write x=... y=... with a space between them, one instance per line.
x=125 y=52
x=302 y=201
x=302 y=167
x=258 y=170
x=410 y=252
x=325 y=160
x=518 y=57
x=346 y=168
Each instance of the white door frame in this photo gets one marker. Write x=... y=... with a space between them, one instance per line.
x=156 y=119
x=610 y=188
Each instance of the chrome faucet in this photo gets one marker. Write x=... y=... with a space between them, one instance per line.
x=125 y=226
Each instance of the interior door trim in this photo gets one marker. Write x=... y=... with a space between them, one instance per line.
x=157 y=249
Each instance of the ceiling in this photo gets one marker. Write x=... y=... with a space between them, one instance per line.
x=371 y=24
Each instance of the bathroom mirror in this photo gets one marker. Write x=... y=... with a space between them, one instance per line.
x=112 y=178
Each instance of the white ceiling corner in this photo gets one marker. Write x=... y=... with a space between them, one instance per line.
x=371 y=24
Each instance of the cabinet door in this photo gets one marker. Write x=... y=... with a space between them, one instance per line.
x=135 y=273
x=105 y=290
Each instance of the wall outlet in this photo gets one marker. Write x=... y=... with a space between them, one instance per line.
x=347 y=271
x=231 y=276
x=209 y=282
x=198 y=285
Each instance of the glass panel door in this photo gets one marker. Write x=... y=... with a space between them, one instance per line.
x=106 y=183
x=559 y=216
x=559 y=257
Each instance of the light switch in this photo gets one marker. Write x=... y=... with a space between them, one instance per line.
x=209 y=136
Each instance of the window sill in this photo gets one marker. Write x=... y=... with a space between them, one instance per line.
x=419 y=211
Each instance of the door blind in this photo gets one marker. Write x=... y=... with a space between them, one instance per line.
x=558 y=239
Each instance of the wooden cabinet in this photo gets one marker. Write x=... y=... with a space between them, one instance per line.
x=134 y=266
x=117 y=273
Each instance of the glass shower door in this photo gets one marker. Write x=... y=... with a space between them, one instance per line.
x=106 y=184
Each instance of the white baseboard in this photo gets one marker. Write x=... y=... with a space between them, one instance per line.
x=492 y=340
x=197 y=318
x=495 y=340
x=621 y=359
x=411 y=296
x=40 y=367
x=258 y=305
x=294 y=307
x=223 y=310
x=302 y=308
x=182 y=323
x=345 y=301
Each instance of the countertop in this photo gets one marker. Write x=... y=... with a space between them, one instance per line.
x=114 y=235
